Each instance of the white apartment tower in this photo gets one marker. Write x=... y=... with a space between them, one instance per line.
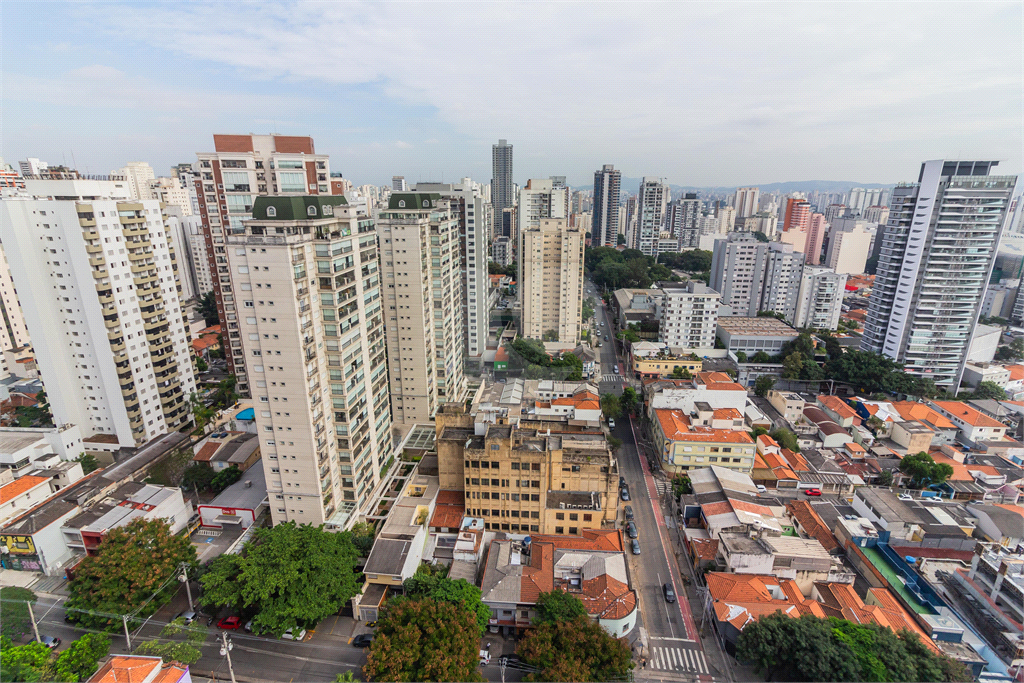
x=170 y=191
x=737 y=272
x=782 y=271
x=466 y=202
x=13 y=332
x=689 y=316
x=820 y=301
x=420 y=258
x=540 y=199
x=605 y=226
x=241 y=168
x=503 y=192
x=138 y=176
x=745 y=201
x=683 y=221
x=652 y=201
x=98 y=280
x=937 y=254
x=306 y=279
x=551 y=281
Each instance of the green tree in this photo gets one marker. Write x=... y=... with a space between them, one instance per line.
x=763 y=384
x=132 y=571
x=14 y=619
x=792 y=365
x=786 y=439
x=32 y=662
x=363 y=534
x=576 y=650
x=292 y=575
x=225 y=478
x=588 y=309
x=557 y=605
x=347 y=677
x=741 y=357
x=761 y=357
x=761 y=237
x=81 y=659
x=208 y=309
x=885 y=478
x=88 y=462
x=629 y=400
x=424 y=640
x=989 y=390
x=198 y=475
x=202 y=365
x=457 y=592
x=610 y=405
x=923 y=470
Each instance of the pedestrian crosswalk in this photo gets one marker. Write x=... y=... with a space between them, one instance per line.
x=611 y=378
x=677 y=659
x=662 y=486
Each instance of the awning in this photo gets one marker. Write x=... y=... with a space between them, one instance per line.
x=228 y=519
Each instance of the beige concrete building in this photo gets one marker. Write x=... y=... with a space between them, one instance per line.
x=13 y=332
x=305 y=279
x=420 y=265
x=551 y=281
x=553 y=475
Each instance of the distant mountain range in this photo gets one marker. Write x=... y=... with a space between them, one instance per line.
x=631 y=185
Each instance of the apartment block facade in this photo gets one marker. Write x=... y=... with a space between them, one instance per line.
x=689 y=315
x=502 y=190
x=97 y=276
x=652 y=202
x=420 y=259
x=605 y=226
x=737 y=272
x=227 y=181
x=683 y=221
x=304 y=272
x=551 y=281
x=781 y=281
x=937 y=254
x=820 y=300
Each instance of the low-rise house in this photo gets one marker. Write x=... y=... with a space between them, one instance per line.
x=683 y=394
x=399 y=546
x=140 y=669
x=239 y=504
x=978 y=372
x=943 y=430
x=810 y=523
x=913 y=436
x=583 y=407
x=1000 y=523
x=838 y=411
x=19 y=495
x=23 y=449
x=591 y=566
x=802 y=560
x=132 y=500
x=588 y=357
x=974 y=425
x=829 y=432
x=789 y=404
x=686 y=444
x=222 y=450
x=727 y=500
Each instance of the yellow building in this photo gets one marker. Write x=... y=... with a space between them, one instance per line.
x=658 y=367
x=692 y=441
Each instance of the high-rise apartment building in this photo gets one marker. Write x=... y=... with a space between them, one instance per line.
x=502 y=193
x=726 y=218
x=876 y=214
x=848 y=248
x=398 y=184
x=937 y=255
x=551 y=280
x=138 y=175
x=652 y=201
x=13 y=332
x=540 y=199
x=170 y=191
x=834 y=211
x=605 y=225
x=820 y=300
x=816 y=231
x=420 y=259
x=860 y=198
x=737 y=272
x=240 y=168
x=683 y=220
x=689 y=315
x=188 y=178
x=97 y=277
x=746 y=201
x=798 y=214
x=32 y=167
x=304 y=271
x=466 y=202
x=781 y=281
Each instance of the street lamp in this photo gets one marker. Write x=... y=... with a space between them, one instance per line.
x=183 y=577
x=225 y=651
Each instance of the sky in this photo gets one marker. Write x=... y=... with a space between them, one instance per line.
x=699 y=93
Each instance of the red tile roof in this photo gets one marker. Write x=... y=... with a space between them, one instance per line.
x=605 y=597
x=812 y=524
x=607 y=540
x=450 y=497
x=206 y=452
x=727 y=414
x=675 y=425
x=837 y=406
x=1016 y=372
x=705 y=548
x=971 y=416
x=122 y=669
x=17 y=487
x=910 y=410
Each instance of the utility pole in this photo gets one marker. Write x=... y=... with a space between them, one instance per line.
x=225 y=650
x=183 y=577
x=32 y=616
x=127 y=639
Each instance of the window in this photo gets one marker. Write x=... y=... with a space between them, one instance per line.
x=559 y=530
x=292 y=181
x=573 y=530
x=574 y=517
x=559 y=515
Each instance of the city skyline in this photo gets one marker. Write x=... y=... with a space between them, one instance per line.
x=865 y=115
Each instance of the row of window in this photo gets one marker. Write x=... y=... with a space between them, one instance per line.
x=473 y=481
x=484 y=464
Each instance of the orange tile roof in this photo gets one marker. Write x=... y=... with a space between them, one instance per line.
x=607 y=598
x=675 y=424
x=960 y=472
x=1012 y=508
x=608 y=540
x=837 y=406
x=725 y=386
x=712 y=378
x=854 y=447
x=501 y=354
x=858 y=314
x=448 y=516
x=171 y=673
x=212 y=329
x=1016 y=372
x=204 y=343
x=968 y=414
x=19 y=486
x=705 y=548
x=985 y=469
x=450 y=497
x=796 y=461
x=766 y=441
x=909 y=410
x=206 y=452
x=779 y=466
x=813 y=525
x=122 y=669
x=727 y=414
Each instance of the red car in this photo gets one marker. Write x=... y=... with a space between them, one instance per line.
x=812 y=492
x=230 y=623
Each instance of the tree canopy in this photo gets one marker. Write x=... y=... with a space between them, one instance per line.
x=135 y=563
x=693 y=261
x=989 y=390
x=14 y=619
x=615 y=269
x=208 y=308
x=424 y=640
x=288 y=576
x=923 y=470
x=530 y=358
x=629 y=400
x=574 y=650
x=872 y=372
x=185 y=651
x=786 y=439
x=763 y=384
x=36 y=662
x=459 y=592
x=812 y=649
x=558 y=605
x=610 y=405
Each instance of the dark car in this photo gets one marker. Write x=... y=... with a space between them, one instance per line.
x=635 y=547
x=631 y=530
x=362 y=640
x=51 y=642
x=670 y=595
x=230 y=623
x=622 y=482
x=624 y=493
x=628 y=510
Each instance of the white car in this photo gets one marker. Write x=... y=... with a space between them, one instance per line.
x=290 y=635
x=611 y=423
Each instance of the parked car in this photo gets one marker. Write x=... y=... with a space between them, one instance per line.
x=631 y=530
x=611 y=423
x=294 y=634
x=624 y=493
x=622 y=482
x=628 y=510
x=906 y=496
x=761 y=488
x=189 y=616
x=362 y=640
x=635 y=547
x=230 y=623
x=812 y=492
x=670 y=595
x=51 y=642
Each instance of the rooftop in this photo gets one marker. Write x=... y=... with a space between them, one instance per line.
x=17 y=487
x=966 y=413
x=756 y=327
x=247 y=493
x=675 y=424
